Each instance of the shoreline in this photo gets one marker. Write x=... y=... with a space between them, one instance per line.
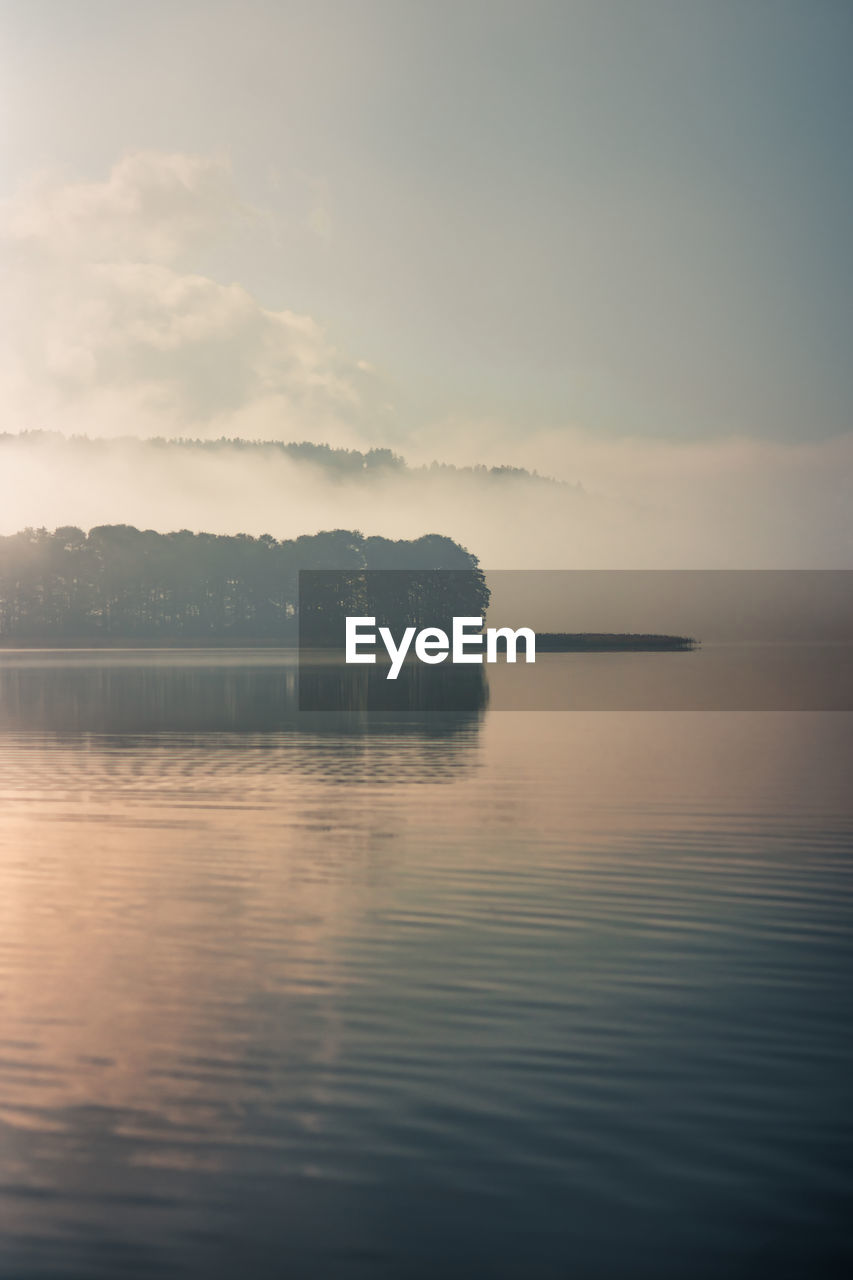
x=10 y=643
x=611 y=642
x=546 y=642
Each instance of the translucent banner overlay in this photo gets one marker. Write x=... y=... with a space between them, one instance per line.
x=609 y=640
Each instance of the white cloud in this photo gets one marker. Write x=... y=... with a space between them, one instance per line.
x=151 y=208
x=108 y=331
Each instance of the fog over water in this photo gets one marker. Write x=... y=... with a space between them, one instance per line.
x=626 y=504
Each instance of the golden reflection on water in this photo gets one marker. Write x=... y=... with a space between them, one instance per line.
x=186 y=920
x=143 y=886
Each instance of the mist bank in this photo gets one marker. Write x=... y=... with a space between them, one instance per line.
x=335 y=462
x=622 y=503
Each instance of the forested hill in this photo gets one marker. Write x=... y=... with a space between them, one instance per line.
x=118 y=582
x=332 y=462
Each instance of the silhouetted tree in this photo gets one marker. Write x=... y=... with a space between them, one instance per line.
x=123 y=582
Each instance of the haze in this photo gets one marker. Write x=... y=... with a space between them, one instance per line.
x=607 y=242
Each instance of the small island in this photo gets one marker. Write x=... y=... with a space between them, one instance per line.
x=610 y=642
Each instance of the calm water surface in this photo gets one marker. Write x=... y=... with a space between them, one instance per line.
x=502 y=995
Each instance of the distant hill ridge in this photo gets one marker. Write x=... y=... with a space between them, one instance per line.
x=335 y=462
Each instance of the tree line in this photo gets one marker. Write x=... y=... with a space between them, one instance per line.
x=120 y=582
x=335 y=463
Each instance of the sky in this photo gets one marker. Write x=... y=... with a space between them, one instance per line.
x=609 y=240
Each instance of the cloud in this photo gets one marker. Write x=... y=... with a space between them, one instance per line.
x=153 y=207
x=108 y=331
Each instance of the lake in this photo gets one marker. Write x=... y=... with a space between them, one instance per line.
x=501 y=994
